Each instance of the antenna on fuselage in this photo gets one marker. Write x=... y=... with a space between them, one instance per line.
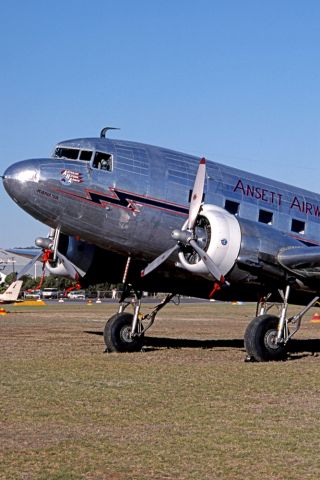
x=105 y=129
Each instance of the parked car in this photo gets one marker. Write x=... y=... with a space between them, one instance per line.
x=35 y=294
x=48 y=293
x=77 y=295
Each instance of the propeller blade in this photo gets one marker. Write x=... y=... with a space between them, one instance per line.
x=72 y=269
x=195 y=205
x=28 y=266
x=197 y=194
x=156 y=262
x=211 y=266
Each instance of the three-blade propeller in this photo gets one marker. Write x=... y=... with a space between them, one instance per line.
x=186 y=236
x=48 y=247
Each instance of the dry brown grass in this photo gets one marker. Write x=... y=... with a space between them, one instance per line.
x=187 y=407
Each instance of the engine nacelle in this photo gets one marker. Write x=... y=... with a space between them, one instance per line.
x=58 y=269
x=79 y=253
x=219 y=235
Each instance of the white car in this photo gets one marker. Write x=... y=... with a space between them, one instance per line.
x=77 y=295
x=50 y=293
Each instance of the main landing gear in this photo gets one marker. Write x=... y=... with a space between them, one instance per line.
x=124 y=332
x=266 y=337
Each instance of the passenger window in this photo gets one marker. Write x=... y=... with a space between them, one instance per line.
x=297 y=226
x=103 y=161
x=232 y=207
x=265 y=217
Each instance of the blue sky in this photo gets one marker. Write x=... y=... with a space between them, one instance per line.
x=236 y=81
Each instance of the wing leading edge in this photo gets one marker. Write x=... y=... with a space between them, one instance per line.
x=302 y=261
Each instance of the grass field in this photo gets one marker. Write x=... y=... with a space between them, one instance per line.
x=187 y=407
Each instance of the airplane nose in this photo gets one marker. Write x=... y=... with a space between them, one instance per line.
x=18 y=178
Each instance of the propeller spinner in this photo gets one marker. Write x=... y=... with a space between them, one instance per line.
x=186 y=235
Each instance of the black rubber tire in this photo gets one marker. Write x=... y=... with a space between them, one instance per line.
x=259 y=339
x=117 y=334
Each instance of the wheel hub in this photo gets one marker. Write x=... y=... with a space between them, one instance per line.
x=270 y=340
x=125 y=334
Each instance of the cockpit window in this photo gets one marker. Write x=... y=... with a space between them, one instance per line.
x=71 y=153
x=103 y=161
x=85 y=155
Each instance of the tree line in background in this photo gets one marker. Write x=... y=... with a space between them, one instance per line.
x=30 y=283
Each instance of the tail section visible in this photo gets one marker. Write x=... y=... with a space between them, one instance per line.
x=12 y=292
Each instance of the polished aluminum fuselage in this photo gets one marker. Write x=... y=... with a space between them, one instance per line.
x=132 y=209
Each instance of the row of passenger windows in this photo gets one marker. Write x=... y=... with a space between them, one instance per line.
x=104 y=161
x=297 y=226
x=101 y=160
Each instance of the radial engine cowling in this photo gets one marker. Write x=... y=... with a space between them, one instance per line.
x=219 y=235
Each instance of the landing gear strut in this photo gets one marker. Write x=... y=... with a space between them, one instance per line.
x=266 y=337
x=124 y=332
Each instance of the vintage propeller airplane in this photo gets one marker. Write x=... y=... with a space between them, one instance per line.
x=114 y=205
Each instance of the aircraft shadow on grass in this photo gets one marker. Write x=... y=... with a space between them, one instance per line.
x=303 y=347
x=163 y=342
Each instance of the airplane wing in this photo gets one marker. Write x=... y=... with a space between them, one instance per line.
x=25 y=252
x=301 y=261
